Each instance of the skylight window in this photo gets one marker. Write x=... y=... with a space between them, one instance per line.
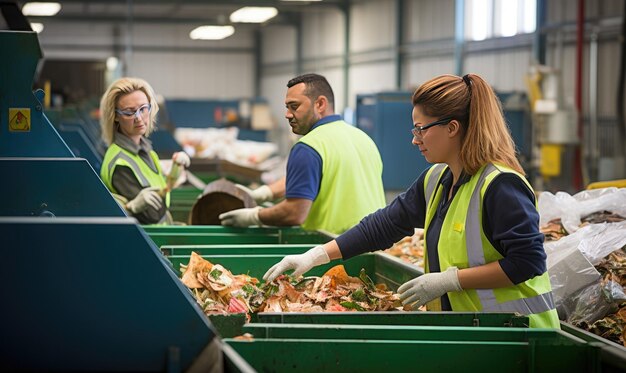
x=486 y=19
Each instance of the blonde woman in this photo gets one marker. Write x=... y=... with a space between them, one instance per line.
x=484 y=250
x=130 y=168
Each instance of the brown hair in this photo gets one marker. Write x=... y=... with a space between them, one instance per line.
x=120 y=87
x=471 y=101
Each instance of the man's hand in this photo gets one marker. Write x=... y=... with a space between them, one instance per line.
x=299 y=263
x=260 y=194
x=427 y=287
x=146 y=197
x=182 y=159
x=241 y=217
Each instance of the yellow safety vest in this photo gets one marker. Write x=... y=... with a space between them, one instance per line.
x=118 y=156
x=351 y=185
x=462 y=243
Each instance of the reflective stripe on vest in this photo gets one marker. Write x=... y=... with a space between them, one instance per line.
x=142 y=178
x=475 y=256
x=433 y=180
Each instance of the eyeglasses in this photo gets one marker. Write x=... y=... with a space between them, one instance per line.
x=418 y=129
x=143 y=110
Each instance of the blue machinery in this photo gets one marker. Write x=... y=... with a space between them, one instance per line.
x=85 y=288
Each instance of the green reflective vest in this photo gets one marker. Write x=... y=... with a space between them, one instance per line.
x=351 y=185
x=118 y=156
x=463 y=244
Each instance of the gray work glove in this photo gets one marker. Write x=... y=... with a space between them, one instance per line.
x=146 y=197
x=260 y=194
x=301 y=263
x=429 y=286
x=241 y=217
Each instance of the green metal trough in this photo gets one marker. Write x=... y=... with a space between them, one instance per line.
x=207 y=235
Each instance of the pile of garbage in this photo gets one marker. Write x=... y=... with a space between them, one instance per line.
x=223 y=143
x=586 y=249
x=410 y=249
x=218 y=291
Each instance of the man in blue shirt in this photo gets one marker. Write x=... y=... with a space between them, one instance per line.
x=334 y=172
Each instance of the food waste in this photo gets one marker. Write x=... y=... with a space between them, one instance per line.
x=218 y=291
x=410 y=249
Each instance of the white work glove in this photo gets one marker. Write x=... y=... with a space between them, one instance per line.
x=260 y=194
x=299 y=263
x=429 y=286
x=181 y=158
x=146 y=197
x=241 y=217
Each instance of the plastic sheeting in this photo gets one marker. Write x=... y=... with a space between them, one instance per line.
x=579 y=292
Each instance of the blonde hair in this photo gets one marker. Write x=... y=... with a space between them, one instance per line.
x=108 y=103
x=470 y=100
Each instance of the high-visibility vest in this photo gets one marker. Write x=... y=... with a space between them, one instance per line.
x=118 y=156
x=462 y=243
x=351 y=185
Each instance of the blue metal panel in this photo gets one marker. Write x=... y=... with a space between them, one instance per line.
x=164 y=143
x=199 y=113
x=386 y=118
x=80 y=144
x=517 y=114
x=57 y=186
x=87 y=294
x=17 y=69
x=252 y=135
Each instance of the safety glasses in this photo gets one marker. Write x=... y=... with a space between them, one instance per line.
x=419 y=129
x=142 y=111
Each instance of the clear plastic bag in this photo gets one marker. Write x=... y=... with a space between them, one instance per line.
x=592 y=303
x=571 y=209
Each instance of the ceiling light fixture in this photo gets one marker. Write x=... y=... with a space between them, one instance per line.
x=211 y=32
x=41 y=9
x=251 y=14
x=37 y=27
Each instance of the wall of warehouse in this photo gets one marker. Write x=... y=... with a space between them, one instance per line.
x=182 y=68
x=164 y=55
x=428 y=50
x=429 y=39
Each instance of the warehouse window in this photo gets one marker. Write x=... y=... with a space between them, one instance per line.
x=486 y=19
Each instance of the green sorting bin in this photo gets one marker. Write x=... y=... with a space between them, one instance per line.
x=546 y=348
x=368 y=341
x=557 y=354
x=184 y=251
x=217 y=234
x=423 y=329
x=381 y=268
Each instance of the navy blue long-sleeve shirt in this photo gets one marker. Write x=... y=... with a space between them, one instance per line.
x=510 y=222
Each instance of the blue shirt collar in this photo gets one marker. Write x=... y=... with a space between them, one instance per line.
x=327 y=119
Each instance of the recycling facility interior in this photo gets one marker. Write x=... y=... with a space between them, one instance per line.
x=558 y=67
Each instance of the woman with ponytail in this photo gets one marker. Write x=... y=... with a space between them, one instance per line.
x=484 y=250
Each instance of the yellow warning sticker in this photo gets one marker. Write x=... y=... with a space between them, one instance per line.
x=19 y=119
